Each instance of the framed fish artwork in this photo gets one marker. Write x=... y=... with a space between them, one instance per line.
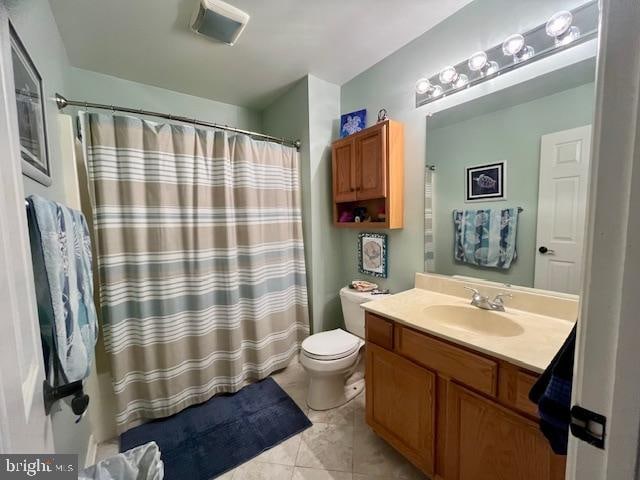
x=486 y=182
x=353 y=122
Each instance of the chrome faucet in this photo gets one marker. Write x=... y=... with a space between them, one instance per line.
x=480 y=301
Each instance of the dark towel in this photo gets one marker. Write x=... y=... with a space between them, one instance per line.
x=552 y=394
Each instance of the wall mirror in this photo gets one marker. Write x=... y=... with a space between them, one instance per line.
x=506 y=183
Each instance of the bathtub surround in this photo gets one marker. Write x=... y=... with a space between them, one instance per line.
x=201 y=260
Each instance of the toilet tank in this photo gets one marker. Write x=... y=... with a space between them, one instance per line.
x=353 y=313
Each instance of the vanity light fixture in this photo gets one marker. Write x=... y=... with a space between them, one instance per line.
x=515 y=46
x=448 y=75
x=560 y=27
x=564 y=29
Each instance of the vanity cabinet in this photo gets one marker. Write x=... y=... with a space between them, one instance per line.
x=401 y=404
x=455 y=413
x=368 y=173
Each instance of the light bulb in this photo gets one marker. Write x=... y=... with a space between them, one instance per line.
x=568 y=36
x=436 y=91
x=461 y=81
x=423 y=85
x=477 y=61
x=491 y=68
x=559 y=23
x=448 y=75
x=525 y=54
x=513 y=44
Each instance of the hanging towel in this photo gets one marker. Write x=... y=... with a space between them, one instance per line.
x=486 y=238
x=61 y=254
x=552 y=394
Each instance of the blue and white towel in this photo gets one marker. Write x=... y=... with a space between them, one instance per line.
x=486 y=238
x=61 y=253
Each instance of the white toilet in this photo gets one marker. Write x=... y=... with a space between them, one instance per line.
x=331 y=358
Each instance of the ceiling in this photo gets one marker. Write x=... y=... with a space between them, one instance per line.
x=149 y=41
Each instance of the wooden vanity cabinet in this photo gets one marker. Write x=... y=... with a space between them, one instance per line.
x=368 y=172
x=454 y=413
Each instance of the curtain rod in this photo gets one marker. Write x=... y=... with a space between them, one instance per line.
x=62 y=102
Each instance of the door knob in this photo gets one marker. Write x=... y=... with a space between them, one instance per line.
x=544 y=250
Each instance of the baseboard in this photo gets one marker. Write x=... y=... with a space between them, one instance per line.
x=92 y=451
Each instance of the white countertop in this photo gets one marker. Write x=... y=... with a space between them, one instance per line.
x=532 y=349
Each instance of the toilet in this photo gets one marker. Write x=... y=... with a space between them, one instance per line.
x=331 y=358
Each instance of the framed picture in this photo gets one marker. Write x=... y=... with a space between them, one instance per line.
x=352 y=122
x=34 y=153
x=486 y=182
x=372 y=254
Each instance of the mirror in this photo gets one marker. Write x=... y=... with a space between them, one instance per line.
x=507 y=181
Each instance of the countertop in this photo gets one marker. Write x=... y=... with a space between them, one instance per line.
x=532 y=349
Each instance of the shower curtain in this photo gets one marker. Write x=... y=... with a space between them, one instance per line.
x=200 y=260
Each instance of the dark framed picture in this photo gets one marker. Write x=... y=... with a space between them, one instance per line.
x=372 y=254
x=486 y=182
x=353 y=122
x=32 y=130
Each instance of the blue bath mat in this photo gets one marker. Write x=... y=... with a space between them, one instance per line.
x=206 y=440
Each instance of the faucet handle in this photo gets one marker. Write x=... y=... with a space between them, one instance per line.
x=475 y=292
x=499 y=297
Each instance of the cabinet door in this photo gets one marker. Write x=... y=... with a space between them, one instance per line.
x=488 y=442
x=371 y=168
x=344 y=172
x=400 y=405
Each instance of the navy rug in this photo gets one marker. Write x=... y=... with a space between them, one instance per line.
x=206 y=440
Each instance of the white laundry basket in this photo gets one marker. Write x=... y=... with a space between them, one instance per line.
x=140 y=463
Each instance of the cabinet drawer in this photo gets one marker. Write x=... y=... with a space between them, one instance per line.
x=472 y=370
x=524 y=382
x=379 y=331
x=514 y=387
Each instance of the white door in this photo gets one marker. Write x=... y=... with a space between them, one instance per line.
x=24 y=427
x=562 y=204
x=607 y=353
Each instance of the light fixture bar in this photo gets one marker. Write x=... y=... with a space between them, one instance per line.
x=563 y=30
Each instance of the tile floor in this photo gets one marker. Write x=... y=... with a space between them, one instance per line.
x=339 y=445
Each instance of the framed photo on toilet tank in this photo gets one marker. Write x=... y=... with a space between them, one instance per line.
x=486 y=182
x=372 y=254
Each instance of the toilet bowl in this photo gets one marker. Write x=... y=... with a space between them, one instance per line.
x=331 y=358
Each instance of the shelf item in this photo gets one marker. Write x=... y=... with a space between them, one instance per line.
x=368 y=177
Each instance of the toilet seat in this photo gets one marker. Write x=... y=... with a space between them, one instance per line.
x=330 y=345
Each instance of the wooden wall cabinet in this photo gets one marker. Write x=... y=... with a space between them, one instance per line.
x=368 y=171
x=454 y=413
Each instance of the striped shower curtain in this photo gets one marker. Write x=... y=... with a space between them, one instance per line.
x=201 y=260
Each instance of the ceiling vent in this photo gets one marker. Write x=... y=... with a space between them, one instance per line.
x=219 y=20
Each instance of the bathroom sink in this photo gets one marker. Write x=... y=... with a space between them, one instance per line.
x=474 y=320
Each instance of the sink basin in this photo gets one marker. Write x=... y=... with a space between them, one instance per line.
x=474 y=320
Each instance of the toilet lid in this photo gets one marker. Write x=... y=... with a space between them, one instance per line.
x=330 y=345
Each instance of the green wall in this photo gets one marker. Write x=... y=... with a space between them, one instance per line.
x=101 y=88
x=511 y=134
x=390 y=84
x=310 y=111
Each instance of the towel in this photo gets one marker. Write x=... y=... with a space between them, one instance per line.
x=486 y=238
x=61 y=257
x=552 y=394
